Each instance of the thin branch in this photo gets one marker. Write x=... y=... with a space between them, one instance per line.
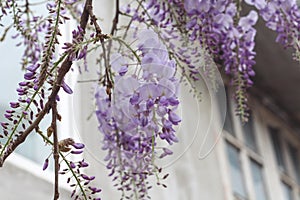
x=67 y=163
x=112 y=32
x=116 y=19
x=108 y=82
x=55 y=149
x=26 y=6
x=64 y=69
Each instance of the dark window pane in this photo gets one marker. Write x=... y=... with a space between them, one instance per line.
x=258 y=181
x=295 y=161
x=274 y=133
x=249 y=135
x=287 y=191
x=237 y=179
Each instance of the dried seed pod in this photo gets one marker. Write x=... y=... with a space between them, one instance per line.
x=63 y=145
x=49 y=131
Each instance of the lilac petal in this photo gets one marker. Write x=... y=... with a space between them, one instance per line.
x=134 y=99
x=94 y=190
x=147 y=91
x=46 y=163
x=77 y=152
x=35 y=87
x=4 y=125
x=10 y=111
x=149 y=104
x=123 y=70
x=85 y=177
x=251 y=72
x=7 y=115
x=173 y=101
x=174 y=118
x=248 y=21
x=167 y=151
x=82 y=53
x=161 y=111
x=32 y=68
x=83 y=164
x=72 y=165
x=127 y=85
x=14 y=104
x=78 y=145
x=28 y=100
x=144 y=121
x=66 y=88
x=29 y=75
x=117 y=61
x=163 y=101
x=23 y=83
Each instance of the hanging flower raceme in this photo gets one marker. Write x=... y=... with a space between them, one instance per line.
x=77 y=49
x=284 y=18
x=140 y=116
x=39 y=78
x=79 y=181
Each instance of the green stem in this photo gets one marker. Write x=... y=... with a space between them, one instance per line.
x=28 y=106
x=67 y=163
x=127 y=46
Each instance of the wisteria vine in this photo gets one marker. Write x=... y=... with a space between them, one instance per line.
x=159 y=45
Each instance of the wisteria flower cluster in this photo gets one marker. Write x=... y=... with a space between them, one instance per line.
x=38 y=78
x=284 y=18
x=75 y=49
x=218 y=31
x=142 y=111
x=221 y=35
x=78 y=180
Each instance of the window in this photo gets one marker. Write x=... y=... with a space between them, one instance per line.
x=263 y=157
x=277 y=147
x=258 y=181
x=237 y=179
x=244 y=159
x=287 y=191
x=249 y=136
x=295 y=162
x=286 y=151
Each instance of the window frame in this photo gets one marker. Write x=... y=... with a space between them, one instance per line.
x=247 y=154
x=274 y=175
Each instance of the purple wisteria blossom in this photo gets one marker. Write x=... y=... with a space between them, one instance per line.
x=79 y=181
x=215 y=31
x=77 y=48
x=218 y=32
x=282 y=17
x=141 y=113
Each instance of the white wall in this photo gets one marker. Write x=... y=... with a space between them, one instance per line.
x=22 y=179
